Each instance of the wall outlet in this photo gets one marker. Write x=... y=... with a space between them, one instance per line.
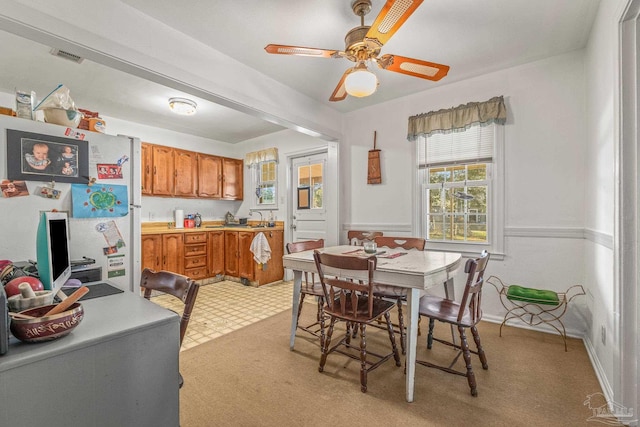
x=603 y=335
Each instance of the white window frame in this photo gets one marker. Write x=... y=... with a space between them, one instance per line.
x=496 y=208
x=256 y=180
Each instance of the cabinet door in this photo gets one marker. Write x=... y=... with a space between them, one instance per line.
x=163 y=171
x=274 y=270
x=147 y=167
x=186 y=173
x=231 y=253
x=209 y=176
x=215 y=258
x=245 y=262
x=232 y=178
x=173 y=252
x=152 y=252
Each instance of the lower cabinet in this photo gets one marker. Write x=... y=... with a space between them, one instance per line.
x=211 y=253
x=195 y=255
x=239 y=260
x=215 y=255
x=163 y=252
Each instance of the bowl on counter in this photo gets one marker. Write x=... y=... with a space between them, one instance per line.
x=18 y=303
x=45 y=328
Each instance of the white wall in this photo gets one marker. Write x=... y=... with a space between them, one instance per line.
x=545 y=168
x=601 y=86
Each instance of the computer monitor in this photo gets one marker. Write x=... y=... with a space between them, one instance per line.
x=52 y=250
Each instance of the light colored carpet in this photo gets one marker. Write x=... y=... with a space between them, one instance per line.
x=249 y=377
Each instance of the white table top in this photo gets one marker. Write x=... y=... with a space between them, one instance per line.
x=415 y=269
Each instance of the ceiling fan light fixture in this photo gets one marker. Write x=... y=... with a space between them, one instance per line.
x=361 y=82
x=183 y=106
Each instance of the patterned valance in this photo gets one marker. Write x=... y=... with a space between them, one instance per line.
x=261 y=156
x=458 y=118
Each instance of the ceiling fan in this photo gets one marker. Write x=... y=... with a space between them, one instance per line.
x=363 y=44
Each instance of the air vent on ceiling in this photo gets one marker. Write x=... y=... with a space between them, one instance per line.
x=66 y=55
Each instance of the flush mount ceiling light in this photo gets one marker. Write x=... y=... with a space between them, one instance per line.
x=182 y=106
x=360 y=82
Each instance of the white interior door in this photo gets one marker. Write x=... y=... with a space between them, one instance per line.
x=309 y=213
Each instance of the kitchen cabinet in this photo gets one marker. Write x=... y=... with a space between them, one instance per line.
x=173 y=252
x=163 y=252
x=163 y=171
x=273 y=270
x=171 y=172
x=231 y=253
x=147 y=166
x=245 y=257
x=195 y=255
x=232 y=179
x=215 y=253
x=186 y=173
x=151 y=250
x=239 y=260
x=209 y=176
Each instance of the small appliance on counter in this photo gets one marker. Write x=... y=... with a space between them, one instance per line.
x=198 y=220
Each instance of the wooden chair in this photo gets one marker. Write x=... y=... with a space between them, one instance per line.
x=352 y=302
x=310 y=287
x=464 y=315
x=357 y=238
x=174 y=284
x=399 y=295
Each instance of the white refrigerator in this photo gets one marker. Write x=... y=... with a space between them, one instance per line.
x=90 y=237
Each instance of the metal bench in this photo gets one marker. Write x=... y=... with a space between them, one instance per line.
x=535 y=306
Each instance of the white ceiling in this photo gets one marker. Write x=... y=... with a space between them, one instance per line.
x=472 y=37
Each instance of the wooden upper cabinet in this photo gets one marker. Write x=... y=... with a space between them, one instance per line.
x=209 y=176
x=186 y=173
x=172 y=172
x=147 y=168
x=163 y=170
x=232 y=178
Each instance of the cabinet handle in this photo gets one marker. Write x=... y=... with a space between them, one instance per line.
x=164 y=260
x=157 y=261
x=147 y=169
x=155 y=171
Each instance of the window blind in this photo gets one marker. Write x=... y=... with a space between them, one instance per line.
x=474 y=144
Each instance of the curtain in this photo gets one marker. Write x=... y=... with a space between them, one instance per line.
x=261 y=156
x=458 y=118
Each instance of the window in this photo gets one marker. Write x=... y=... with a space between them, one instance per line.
x=266 y=183
x=310 y=176
x=460 y=185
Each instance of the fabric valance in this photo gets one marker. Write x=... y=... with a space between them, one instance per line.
x=265 y=155
x=458 y=118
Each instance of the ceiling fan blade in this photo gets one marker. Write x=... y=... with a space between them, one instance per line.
x=340 y=92
x=413 y=67
x=280 y=49
x=390 y=18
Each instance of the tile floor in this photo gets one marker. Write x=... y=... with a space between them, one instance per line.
x=225 y=306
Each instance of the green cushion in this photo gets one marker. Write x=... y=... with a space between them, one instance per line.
x=538 y=296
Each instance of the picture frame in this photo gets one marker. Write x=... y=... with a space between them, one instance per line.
x=304 y=198
x=36 y=157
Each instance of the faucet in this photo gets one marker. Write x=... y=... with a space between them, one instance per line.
x=261 y=220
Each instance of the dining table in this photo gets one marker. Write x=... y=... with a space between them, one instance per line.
x=418 y=271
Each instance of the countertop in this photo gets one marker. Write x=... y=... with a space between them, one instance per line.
x=164 y=228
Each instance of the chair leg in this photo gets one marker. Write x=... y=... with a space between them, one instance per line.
x=476 y=338
x=363 y=358
x=466 y=354
x=403 y=333
x=322 y=320
x=325 y=347
x=432 y=323
x=392 y=338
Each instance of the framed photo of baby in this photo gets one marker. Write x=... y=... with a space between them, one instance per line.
x=36 y=157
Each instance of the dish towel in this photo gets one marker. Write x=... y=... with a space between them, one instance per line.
x=260 y=248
